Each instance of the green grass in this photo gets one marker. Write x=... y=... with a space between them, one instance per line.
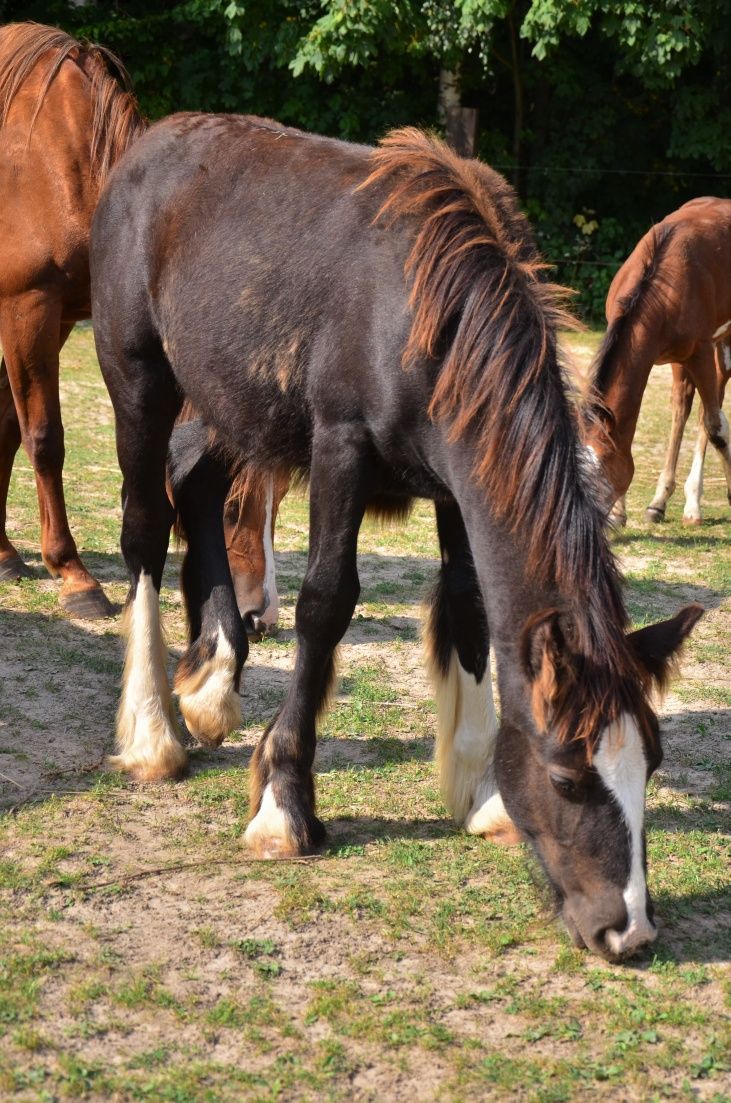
x=410 y=961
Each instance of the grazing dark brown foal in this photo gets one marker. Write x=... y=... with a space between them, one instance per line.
x=670 y=302
x=66 y=115
x=376 y=321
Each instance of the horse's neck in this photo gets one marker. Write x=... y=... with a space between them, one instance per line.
x=623 y=378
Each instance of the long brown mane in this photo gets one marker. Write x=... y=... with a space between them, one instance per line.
x=481 y=305
x=644 y=297
x=116 y=120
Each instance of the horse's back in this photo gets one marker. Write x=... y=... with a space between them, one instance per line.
x=246 y=243
x=687 y=255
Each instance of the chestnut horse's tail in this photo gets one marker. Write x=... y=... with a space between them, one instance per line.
x=116 y=119
x=482 y=308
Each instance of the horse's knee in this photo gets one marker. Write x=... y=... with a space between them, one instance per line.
x=718 y=431
x=324 y=612
x=45 y=446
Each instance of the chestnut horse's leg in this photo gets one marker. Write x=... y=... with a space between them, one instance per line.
x=249 y=527
x=618 y=515
x=31 y=334
x=710 y=379
x=208 y=675
x=682 y=401
x=12 y=566
x=282 y=787
x=458 y=651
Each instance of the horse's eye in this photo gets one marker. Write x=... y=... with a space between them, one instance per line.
x=564 y=785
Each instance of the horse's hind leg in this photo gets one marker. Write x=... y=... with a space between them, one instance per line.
x=682 y=401
x=208 y=675
x=146 y=403
x=458 y=656
x=12 y=566
x=282 y=786
x=31 y=333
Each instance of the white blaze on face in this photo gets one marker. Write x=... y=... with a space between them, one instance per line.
x=722 y=330
x=621 y=765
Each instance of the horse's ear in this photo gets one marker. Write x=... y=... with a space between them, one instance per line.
x=544 y=656
x=657 y=647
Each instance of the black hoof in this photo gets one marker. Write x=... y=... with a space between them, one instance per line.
x=90 y=604
x=318 y=833
x=13 y=569
x=654 y=515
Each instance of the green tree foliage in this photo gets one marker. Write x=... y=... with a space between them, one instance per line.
x=606 y=114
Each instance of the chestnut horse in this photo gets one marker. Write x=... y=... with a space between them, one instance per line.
x=670 y=302
x=377 y=321
x=67 y=114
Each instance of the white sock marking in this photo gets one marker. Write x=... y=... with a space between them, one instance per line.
x=466 y=734
x=269 y=834
x=620 y=762
x=208 y=700
x=146 y=728
x=694 y=483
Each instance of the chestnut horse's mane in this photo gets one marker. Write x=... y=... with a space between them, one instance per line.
x=482 y=307
x=116 y=120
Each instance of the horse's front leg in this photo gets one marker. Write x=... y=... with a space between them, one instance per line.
x=32 y=334
x=458 y=655
x=682 y=401
x=12 y=566
x=145 y=403
x=282 y=787
x=710 y=381
x=208 y=675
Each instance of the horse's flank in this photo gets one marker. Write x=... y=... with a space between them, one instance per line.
x=116 y=121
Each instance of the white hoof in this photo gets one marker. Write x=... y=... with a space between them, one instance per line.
x=269 y=834
x=488 y=816
x=148 y=747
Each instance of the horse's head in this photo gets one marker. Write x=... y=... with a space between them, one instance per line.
x=581 y=801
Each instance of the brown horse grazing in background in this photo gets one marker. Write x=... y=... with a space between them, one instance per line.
x=670 y=302
x=67 y=114
x=683 y=393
